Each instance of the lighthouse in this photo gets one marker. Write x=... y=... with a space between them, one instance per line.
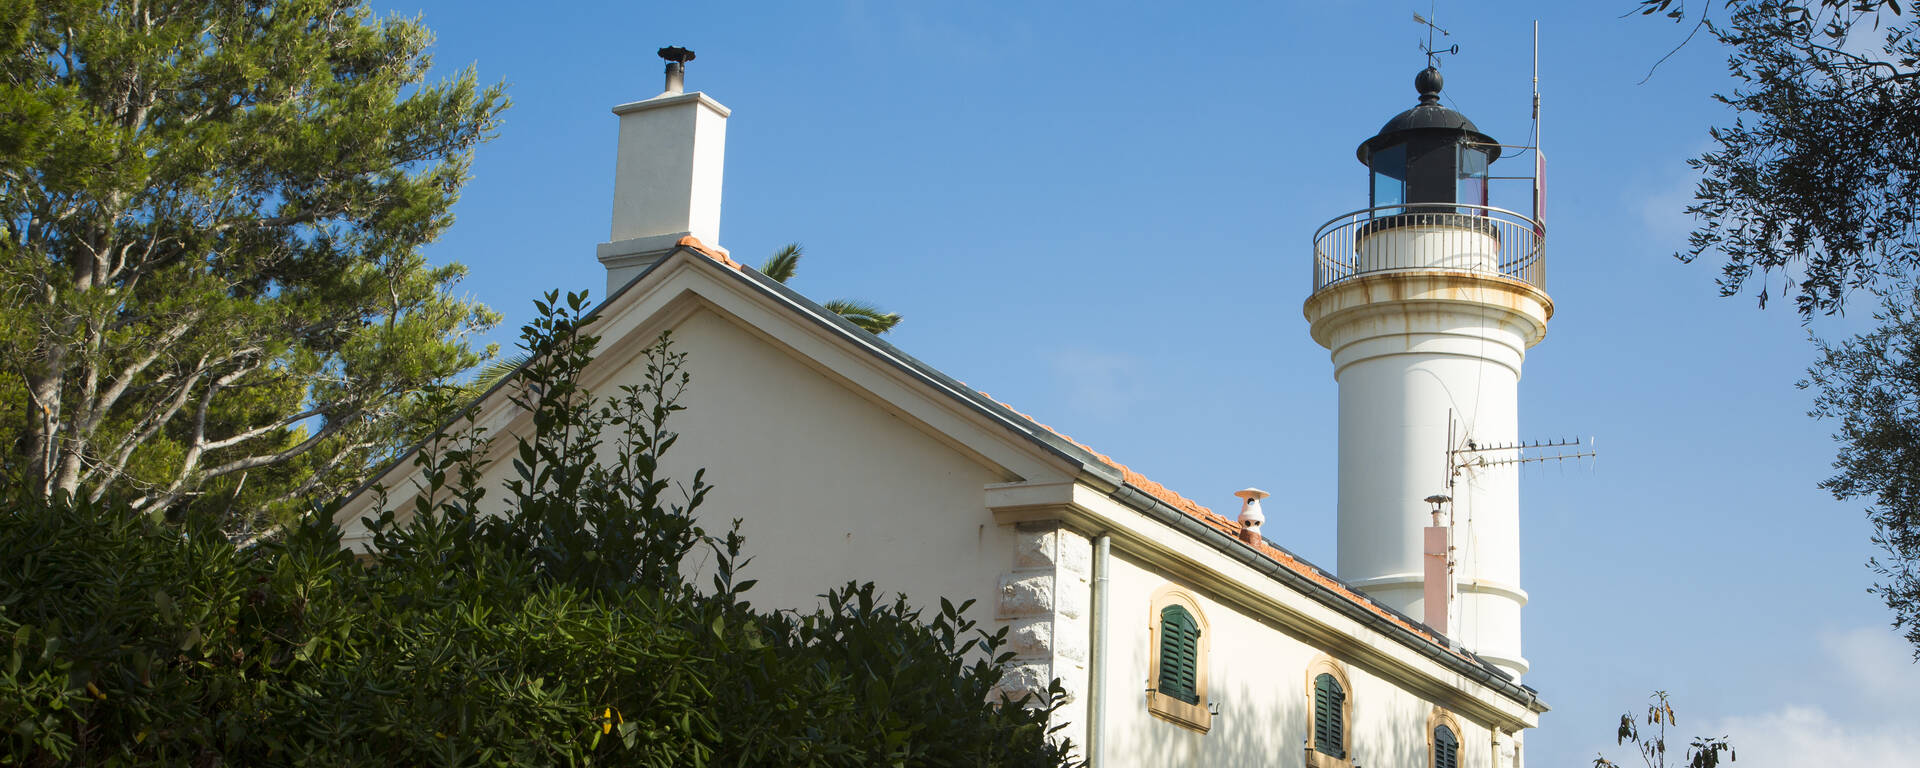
x=1428 y=300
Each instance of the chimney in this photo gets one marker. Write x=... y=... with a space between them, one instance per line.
x=1437 y=578
x=1251 y=518
x=666 y=175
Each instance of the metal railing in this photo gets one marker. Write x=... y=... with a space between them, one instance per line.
x=1452 y=236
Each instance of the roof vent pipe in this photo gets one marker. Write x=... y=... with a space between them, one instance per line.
x=677 y=58
x=1251 y=518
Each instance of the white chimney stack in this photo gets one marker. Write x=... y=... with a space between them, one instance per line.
x=667 y=174
x=1251 y=518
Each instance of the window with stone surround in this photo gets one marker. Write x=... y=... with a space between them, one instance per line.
x=1443 y=740
x=1329 y=707
x=1177 y=688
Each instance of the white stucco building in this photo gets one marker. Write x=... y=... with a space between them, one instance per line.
x=1182 y=635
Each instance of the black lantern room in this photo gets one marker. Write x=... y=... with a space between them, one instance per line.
x=1429 y=157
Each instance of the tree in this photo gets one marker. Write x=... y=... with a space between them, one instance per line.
x=1652 y=745
x=561 y=630
x=782 y=265
x=1819 y=174
x=1870 y=384
x=211 y=211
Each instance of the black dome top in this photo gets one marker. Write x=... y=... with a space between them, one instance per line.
x=1427 y=115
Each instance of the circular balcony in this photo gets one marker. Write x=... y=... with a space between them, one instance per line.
x=1450 y=236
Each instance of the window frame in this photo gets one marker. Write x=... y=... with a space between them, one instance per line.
x=1194 y=716
x=1186 y=644
x=1326 y=665
x=1435 y=719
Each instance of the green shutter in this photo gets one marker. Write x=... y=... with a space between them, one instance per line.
x=1446 y=748
x=1329 y=716
x=1179 y=655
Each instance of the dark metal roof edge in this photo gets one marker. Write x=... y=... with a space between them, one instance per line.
x=1365 y=150
x=900 y=360
x=1046 y=438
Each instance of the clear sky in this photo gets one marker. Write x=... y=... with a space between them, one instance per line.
x=1102 y=214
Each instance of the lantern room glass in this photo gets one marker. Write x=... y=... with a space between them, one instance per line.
x=1389 y=178
x=1471 y=188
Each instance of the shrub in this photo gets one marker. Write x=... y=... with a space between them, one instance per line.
x=559 y=628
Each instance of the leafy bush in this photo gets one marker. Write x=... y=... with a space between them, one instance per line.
x=559 y=629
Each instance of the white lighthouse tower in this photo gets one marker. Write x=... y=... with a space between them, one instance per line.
x=1428 y=300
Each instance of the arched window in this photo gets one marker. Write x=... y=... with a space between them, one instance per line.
x=1329 y=714
x=1177 y=689
x=1446 y=748
x=1443 y=740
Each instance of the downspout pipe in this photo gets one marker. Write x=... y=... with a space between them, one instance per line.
x=1159 y=510
x=1097 y=663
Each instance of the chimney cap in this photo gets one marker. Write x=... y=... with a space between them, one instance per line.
x=1251 y=518
x=676 y=54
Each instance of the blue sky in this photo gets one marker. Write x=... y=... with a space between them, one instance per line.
x=1102 y=215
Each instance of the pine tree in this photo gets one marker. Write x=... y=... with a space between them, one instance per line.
x=211 y=214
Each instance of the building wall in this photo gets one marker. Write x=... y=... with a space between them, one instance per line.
x=829 y=485
x=1257 y=677
x=834 y=482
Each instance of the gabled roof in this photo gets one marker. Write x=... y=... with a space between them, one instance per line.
x=1148 y=496
x=1133 y=489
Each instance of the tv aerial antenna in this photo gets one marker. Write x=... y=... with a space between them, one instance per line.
x=1463 y=455
x=1434 y=54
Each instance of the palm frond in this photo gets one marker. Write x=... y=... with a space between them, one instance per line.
x=492 y=373
x=870 y=318
x=783 y=263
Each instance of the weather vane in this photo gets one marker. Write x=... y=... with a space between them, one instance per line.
x=1433 y=54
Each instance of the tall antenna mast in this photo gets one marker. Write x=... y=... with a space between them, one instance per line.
x=1539 y=160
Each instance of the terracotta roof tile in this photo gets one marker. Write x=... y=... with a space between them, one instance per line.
x=1231 y=528
x=714 y=252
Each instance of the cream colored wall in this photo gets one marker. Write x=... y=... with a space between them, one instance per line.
x=841 y=465
x=830 y=485
x=1257 y=677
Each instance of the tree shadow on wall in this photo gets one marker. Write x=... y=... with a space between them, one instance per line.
x=1256 y=727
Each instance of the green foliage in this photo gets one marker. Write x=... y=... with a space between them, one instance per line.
x=211 y=292
x=1817 y=178
x=554 y=625
x=1652 y=743
x=870 y=318
x=784 y=263
x=1871 y=385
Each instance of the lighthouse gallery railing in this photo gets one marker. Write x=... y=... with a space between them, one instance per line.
x=1450 y=236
